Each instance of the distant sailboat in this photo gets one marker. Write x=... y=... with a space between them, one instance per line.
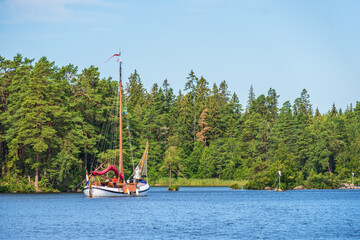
x=117 y=186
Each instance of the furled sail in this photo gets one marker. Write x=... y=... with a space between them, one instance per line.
x=109 y=168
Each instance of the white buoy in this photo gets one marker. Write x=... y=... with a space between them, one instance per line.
x=279 y=175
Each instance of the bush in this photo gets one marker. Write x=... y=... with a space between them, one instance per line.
x=260 y=182
x=13 y=183
x=4 y=188
x=322 y=181
x=357 y=181
x=173 y=188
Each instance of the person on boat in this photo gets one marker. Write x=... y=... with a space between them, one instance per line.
x=137 y=174
x=114 y=180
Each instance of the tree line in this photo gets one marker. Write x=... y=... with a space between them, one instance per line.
x=54 y=122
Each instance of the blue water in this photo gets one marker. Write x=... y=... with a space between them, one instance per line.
x=191 y=213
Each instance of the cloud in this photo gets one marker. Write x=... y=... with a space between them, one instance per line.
x=50 y=11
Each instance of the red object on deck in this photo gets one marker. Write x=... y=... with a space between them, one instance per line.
x=110 y=168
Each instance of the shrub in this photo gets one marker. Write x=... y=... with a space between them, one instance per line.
x=173 y=188
x=322 y=181
x=4 y=188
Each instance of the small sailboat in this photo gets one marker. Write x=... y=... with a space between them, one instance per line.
x=117 y=186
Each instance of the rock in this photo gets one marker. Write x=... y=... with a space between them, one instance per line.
x=298 y=188
x=268 y=188
x=278 y=190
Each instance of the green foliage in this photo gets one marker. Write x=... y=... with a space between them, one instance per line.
x=16 y=184
x=195 y=182
x=322 y=181
x=235 y=186
x=54 y=126
x=172 y=162
x=173 y=188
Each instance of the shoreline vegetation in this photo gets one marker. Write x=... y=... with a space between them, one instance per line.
x=181 y=182
x=176 y=188
x=52 y=120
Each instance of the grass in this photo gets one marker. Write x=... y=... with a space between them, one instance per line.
x=208 y=182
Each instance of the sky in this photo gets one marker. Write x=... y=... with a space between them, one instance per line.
x=280 y=44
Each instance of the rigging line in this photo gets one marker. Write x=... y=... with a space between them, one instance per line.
x=111 y=133
x=105 y=133
x=102 y=140
x=98 y=146
x=113 y=125
x=147 y=174
x=101 y=134
x=110 y=136
x=116 y=133
x=129 y=132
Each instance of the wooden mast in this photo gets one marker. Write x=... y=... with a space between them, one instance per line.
x=120 y=122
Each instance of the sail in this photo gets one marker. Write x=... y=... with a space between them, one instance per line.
x=109 y=168
x=142 y=166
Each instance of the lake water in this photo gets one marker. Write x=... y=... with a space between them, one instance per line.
x=191 y=213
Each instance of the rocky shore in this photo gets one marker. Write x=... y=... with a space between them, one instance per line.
x=348 y=186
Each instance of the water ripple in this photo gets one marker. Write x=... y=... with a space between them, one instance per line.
x=191 y=213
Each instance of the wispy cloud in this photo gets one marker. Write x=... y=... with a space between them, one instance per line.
x=50 y=11
x=204 y=6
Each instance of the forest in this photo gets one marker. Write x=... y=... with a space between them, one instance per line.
x=55 y=122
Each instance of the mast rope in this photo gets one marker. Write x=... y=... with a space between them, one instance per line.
x=101 y=143
x=105 y=130
x=116 y=133
x=129 y=133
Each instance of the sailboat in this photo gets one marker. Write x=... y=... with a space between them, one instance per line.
x=117 y=186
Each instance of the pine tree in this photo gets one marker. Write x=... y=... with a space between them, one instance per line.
x=203 y=125
x=135 y=92
x=333 y=111
x=190 y=86
x=32 y=121
x=272 y=105
x=251 y=97
x=214 y=114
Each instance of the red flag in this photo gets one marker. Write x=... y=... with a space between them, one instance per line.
x=117 y=54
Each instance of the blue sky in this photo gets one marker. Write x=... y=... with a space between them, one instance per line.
x=285 y=45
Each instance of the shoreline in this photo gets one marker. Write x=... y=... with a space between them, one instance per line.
x=182 y=182
x=304 y=189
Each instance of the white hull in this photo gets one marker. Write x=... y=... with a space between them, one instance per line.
x=103 y=191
